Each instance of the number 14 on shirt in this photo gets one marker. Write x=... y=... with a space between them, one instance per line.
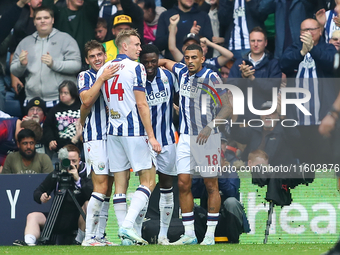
x=113 y=90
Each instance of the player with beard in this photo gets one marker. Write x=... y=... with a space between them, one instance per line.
x=26 y=160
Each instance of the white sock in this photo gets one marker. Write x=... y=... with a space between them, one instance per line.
x=103 y=216
x=139 y=220
x=188 y=222
x=30 y=239
x=92 y=215
x=119 y=205
x=80 y=235
x=211 y=224
x=166 y=206
x=138 y=201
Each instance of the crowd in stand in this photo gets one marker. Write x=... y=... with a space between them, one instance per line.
x=42 y=52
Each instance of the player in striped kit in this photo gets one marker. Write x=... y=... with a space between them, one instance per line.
x=94 y=119
x=199 y=142
x=129 y=121
x=161 y=85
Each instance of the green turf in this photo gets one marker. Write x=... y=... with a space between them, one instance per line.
x=234 y=249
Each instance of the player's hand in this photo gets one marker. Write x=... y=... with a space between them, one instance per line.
x=195 y=28
x=74 y=171
x=44 y=198
x=47 y=59
x=155 y=145
x=52 y=145
x=109 y=72
x=327 y=125
x=23 y=57
x=203 y=136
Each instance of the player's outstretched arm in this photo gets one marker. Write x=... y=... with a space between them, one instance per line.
x=167 y=63
x=144 y=113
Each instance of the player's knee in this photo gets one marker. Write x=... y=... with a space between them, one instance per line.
x=184 y=185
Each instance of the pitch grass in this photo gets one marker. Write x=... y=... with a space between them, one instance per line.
x=232 y=249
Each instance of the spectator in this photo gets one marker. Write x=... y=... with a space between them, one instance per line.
x=225 y=70
x=212 y=63
x=151 y=17
x=120 y=22
x=329 y=21
x=68 y=216
x=129 y=8
x=61 y=126
x=78 y=19
x=288 y=13
x=335 y=39
x=215 y=25
x=101 y=30
x=36 y=110
x=313 y=59
x=108 y=8
x=26 y=160
x=192 y=21
x=251 y=71
x=203 y=5
x=278 y=142
x=43 y=61
x=9 y=129
x=8 y=20
x=238 y=18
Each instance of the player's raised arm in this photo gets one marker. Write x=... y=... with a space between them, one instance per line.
x=167 y=63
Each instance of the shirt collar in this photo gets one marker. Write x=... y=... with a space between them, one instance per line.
x=93 y=71
x=158 y=75
x=122 y=56
x=258 y=61
x=200 y=73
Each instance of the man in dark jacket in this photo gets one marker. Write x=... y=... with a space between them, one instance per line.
x=192 y=20
x=310 y=60
x=254 y=70
x=277 y=141
x=67 y=220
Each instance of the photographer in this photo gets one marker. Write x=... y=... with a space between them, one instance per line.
x=67 y=220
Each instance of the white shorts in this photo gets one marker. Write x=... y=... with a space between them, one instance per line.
x=166 y=160
x=96 y=159
x=127 y=152
x=203 y=160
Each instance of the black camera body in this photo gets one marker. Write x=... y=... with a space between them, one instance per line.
x=61 y=174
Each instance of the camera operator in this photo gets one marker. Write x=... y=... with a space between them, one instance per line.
x=67 y=220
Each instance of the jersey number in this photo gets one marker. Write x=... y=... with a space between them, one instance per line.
x=214 y=159
x=119 y=91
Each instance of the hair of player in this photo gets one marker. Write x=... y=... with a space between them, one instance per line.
x=43 y=8
x=260 y=30
x=101 y=22
x=258 y=154
x=71 y=86
x=149 y=48
x=25 y=133
x=72 y=147
x=33 y=126
x=124 y=36
x=91 y=45
x=194 y=47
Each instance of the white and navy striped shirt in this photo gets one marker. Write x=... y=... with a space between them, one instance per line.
x=307 y=78
x=330 y=26
x=160 y=95
x=198 y=98
x=119 y=96
x=96 y=122
x=239 y=37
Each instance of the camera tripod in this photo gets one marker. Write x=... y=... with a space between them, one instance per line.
x=55 y=208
